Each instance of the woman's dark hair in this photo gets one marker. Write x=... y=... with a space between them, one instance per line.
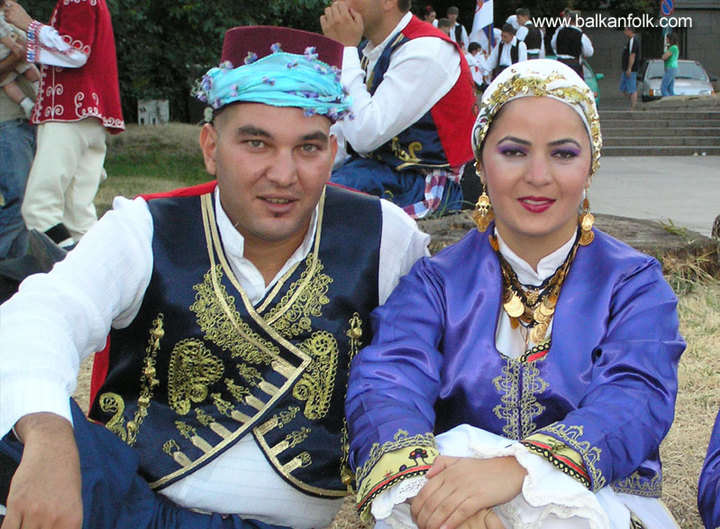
x=672 y=38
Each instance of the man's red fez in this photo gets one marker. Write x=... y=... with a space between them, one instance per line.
x=242 y=40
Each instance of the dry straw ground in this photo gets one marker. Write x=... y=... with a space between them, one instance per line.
x=699 y=374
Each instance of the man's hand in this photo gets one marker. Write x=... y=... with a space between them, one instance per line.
x=458 y=489
x=46 y=490
x=342 y=24
x=17 y=16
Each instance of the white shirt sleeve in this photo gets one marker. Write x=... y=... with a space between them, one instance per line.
x=54 y=51
x=402 y=244
x=522 y=51
x=99 y=284
x=489 y=63
x=521 y=33
x=406 y=93
x=465 y=39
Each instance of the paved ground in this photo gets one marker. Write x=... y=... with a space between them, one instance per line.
x=681 y=189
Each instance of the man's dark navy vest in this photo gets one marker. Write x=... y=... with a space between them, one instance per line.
x=200 y=367
x=441 y=137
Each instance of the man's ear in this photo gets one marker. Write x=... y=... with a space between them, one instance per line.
x=333 y=145
x=208 y=144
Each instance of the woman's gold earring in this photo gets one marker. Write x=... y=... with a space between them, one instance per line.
x=586 y=221
x=483 y=214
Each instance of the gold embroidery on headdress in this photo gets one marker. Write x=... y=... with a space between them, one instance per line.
x=526 y=85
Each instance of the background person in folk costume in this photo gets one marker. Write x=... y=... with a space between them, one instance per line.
x=570 y=44
x=78 y=105
x=535 y=333
x=509 y=50
x=233 y=308
x=407 y=140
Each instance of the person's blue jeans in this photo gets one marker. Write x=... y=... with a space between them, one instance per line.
x=667 y=85
x=17 y=150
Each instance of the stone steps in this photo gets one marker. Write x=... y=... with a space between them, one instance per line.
x=662 y=150
x=668 y=132
x=649 y=141
x=659 y=132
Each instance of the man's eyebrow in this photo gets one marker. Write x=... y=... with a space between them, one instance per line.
x=250 y=130
x=319 y=136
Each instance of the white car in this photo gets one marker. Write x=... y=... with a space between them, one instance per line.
x=691 y=79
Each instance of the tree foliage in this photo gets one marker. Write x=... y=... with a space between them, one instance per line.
x=164 y=46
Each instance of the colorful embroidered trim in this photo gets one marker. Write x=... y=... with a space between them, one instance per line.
x=570 y=436
x=565 y=459
x=33 y=33
x=396 y=460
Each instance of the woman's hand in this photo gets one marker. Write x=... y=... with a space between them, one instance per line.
x=460 y=488
x=483 y=519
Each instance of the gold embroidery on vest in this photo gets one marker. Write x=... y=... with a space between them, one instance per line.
x=172 y=449
x=229 y=332
x=354 y=334
x=190 y=433
x=570 y=435
x=519 y=384
x=317 y=383
x=291 y=316
x=279 y=420
x=238 y=392
x=250 y=374
x=113 y=403
x=301 y=461
x=193 y=369
x=408 y=157
x=291 y=440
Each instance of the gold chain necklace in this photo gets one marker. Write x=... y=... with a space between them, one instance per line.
x=531 y=307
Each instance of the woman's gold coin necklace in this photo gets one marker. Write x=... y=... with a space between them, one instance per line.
x=529 y=306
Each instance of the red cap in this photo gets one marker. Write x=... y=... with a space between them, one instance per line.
x=239 y=41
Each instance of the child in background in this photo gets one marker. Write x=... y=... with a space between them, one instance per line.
x=474 y=57
x=444 y=25
x=12 y=41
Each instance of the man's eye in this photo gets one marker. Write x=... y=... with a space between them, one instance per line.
x=256 y=144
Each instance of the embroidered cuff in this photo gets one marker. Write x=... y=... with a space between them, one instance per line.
x=562 y=457
x=394 y=461
x=33 y=33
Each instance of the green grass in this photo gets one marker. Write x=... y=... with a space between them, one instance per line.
x=151 y=159
x=165 y=151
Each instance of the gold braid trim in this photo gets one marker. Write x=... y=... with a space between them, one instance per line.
x=571 y=435
x=634 y=484
x=394 y=461
x=562 y=457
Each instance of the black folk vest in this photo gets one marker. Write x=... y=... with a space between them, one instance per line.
x=513 y=57
x=533 y=40
x=569 y=42
x=200 y=367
